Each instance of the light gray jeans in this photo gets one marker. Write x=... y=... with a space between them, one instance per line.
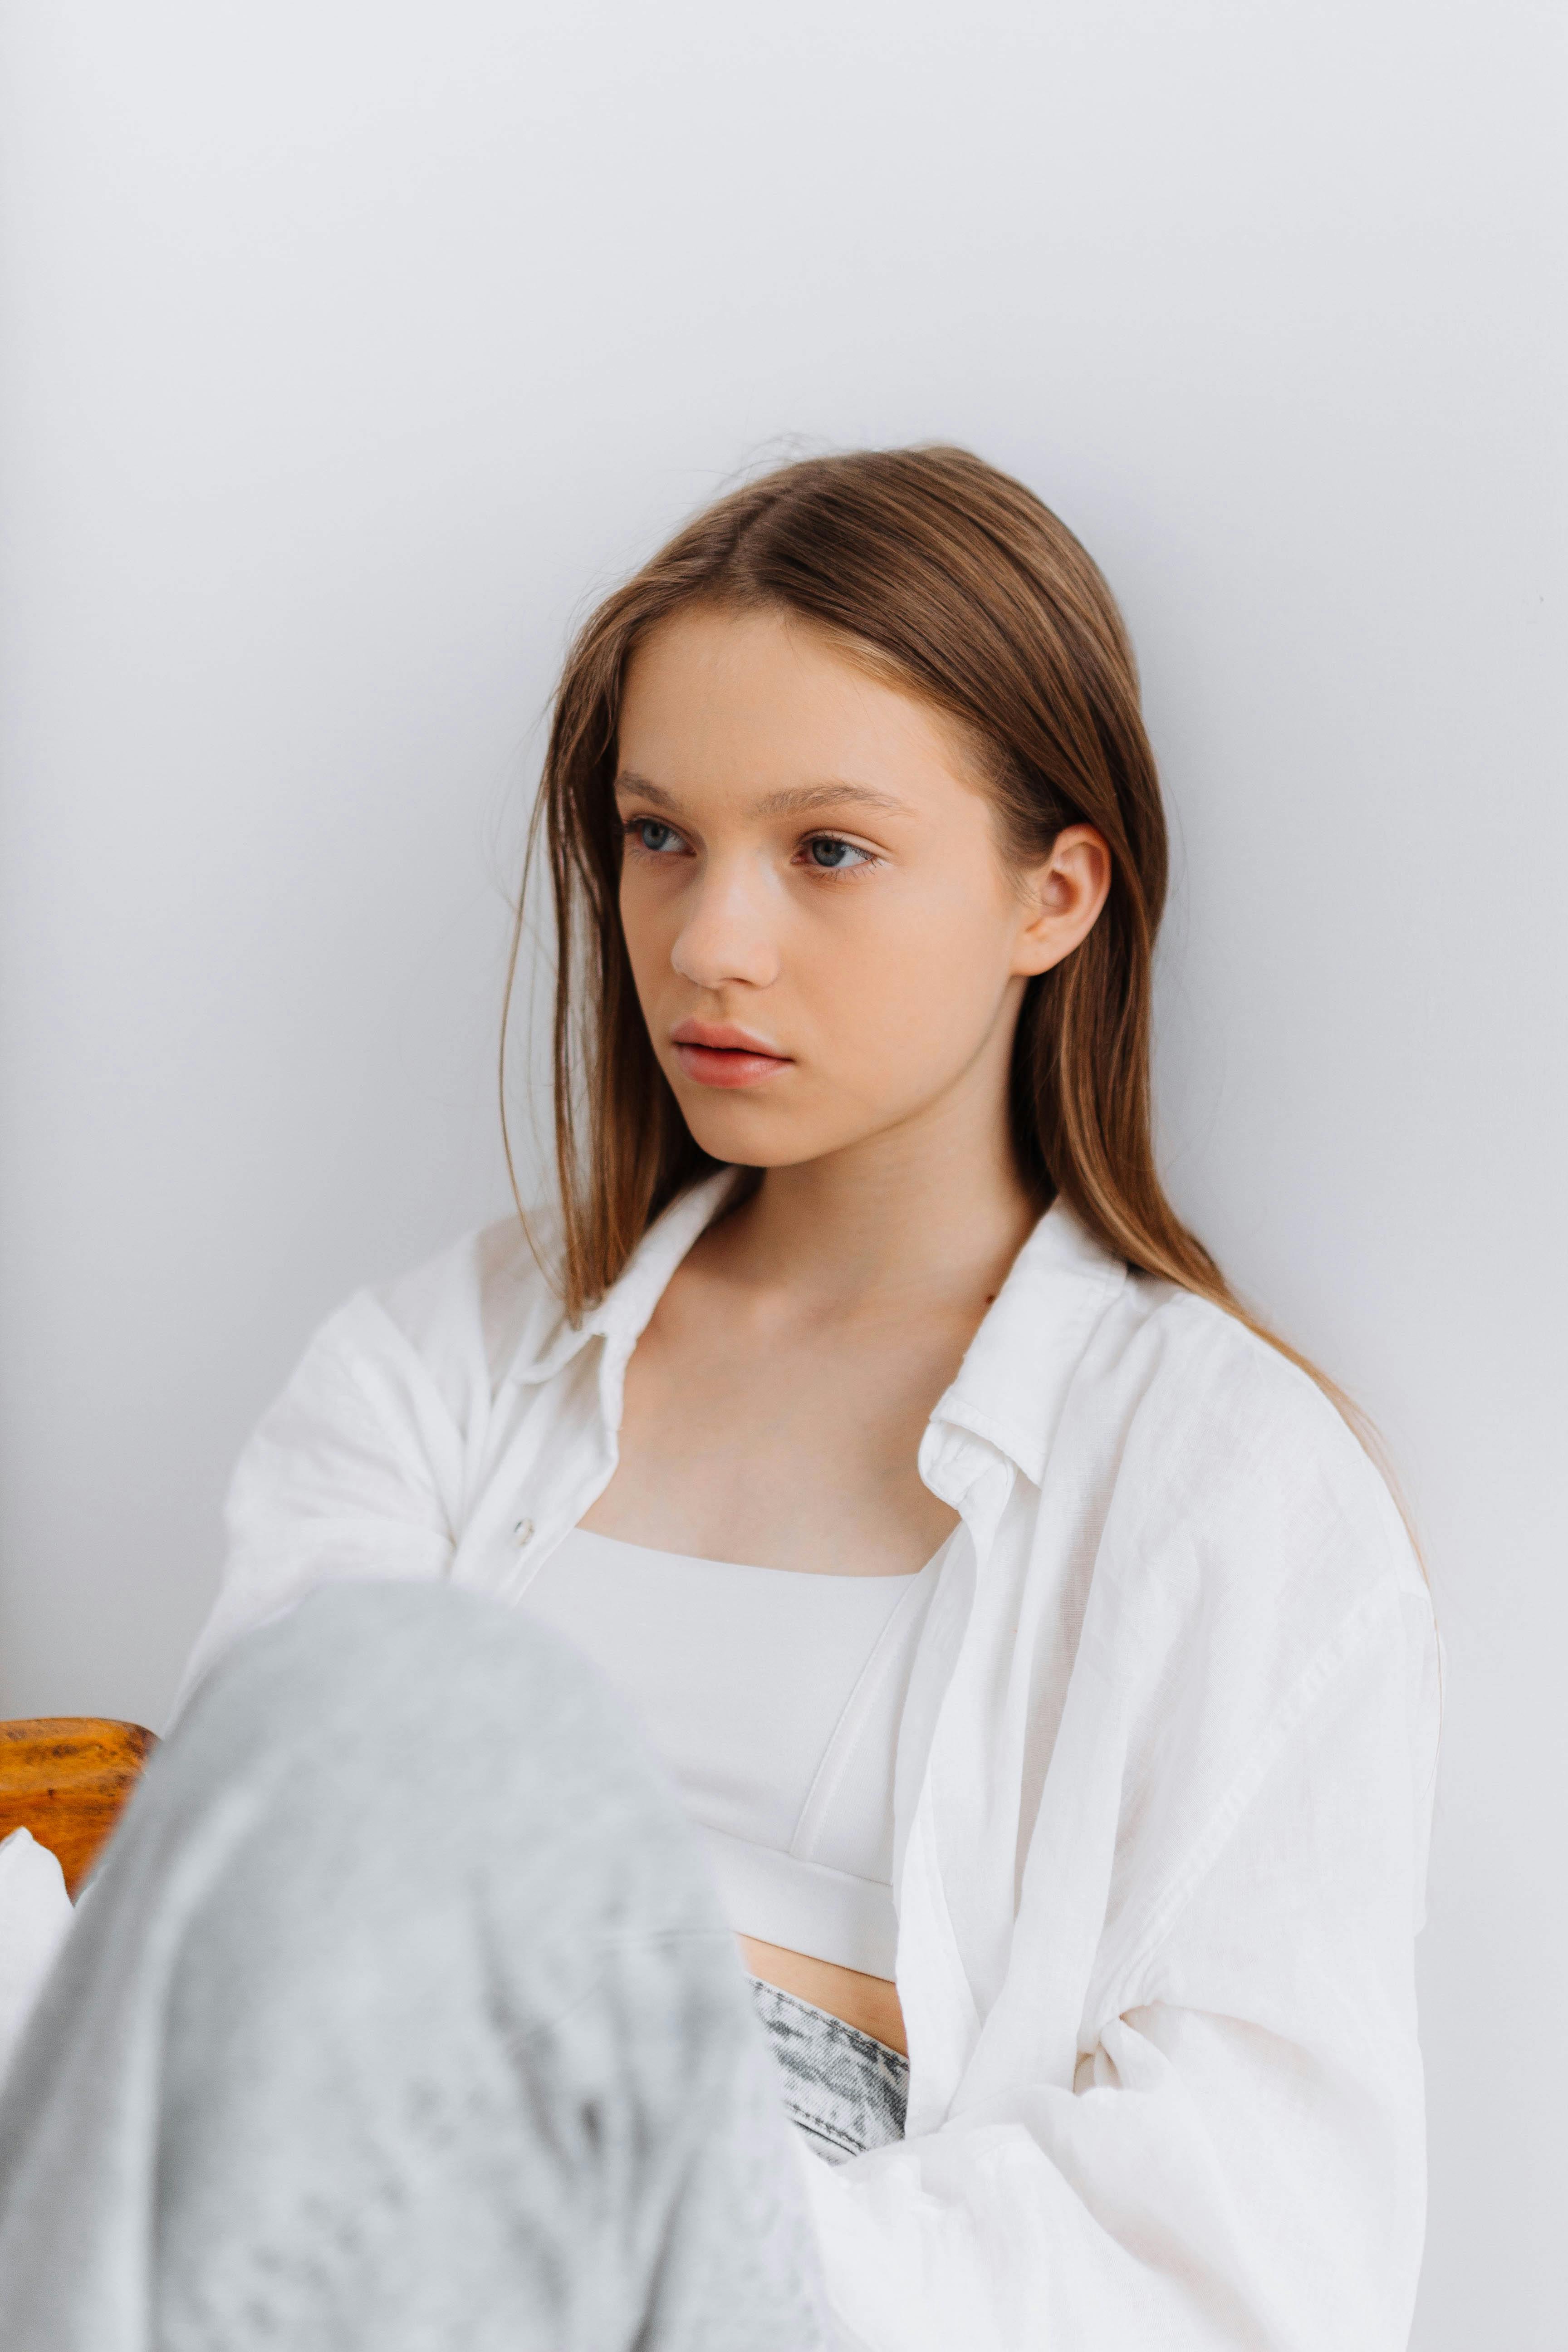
x=400 y=2015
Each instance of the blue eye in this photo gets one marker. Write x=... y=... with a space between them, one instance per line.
x=832 y=855
x=654 y=836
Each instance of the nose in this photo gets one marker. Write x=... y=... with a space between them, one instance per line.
x=727 y=935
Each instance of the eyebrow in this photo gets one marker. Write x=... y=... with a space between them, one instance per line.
x=795 y=800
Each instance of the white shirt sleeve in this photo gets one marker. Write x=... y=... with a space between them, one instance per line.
x=355 y=1472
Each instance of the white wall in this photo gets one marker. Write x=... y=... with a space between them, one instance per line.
x=351 y=347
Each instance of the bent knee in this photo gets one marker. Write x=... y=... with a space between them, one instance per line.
x=424 y=1702
x=386 y=1664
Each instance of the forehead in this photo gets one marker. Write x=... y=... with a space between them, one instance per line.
x=761 y=700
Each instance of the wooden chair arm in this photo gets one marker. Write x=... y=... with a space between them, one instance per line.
x=65 y=1777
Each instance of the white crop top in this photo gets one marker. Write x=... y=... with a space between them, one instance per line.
x=772 y=1698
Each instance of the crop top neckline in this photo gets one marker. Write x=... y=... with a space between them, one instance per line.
x=651 y=1553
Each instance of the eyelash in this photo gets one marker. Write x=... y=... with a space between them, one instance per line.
x=632 y=827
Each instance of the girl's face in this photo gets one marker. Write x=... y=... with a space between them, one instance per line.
x=826 y=943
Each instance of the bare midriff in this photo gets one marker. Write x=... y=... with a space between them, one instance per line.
x=868 y=2003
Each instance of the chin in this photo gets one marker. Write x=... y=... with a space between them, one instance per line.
x=750 y=1137
x=745 y=1144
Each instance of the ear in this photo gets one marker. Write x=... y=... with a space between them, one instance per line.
x=1063 y=896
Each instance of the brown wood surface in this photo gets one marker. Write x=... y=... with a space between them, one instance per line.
x=65 y=1777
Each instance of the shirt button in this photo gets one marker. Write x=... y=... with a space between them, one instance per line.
x=523 y=1533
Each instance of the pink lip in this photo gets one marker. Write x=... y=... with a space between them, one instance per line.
x=716 y=1054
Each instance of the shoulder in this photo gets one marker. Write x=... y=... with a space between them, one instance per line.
x=435 y=1343
x=1240 y=1485
x=490 y=1299
x=1202 y=1375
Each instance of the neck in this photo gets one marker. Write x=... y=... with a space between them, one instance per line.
x=934 y=1205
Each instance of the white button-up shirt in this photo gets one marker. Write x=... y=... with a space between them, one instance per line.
x=1162 y=1787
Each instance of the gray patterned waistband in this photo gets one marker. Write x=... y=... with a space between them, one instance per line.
x=845 y=2091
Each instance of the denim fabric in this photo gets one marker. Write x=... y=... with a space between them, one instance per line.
x=845 y=2091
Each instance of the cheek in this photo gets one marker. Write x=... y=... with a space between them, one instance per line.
x=919 y=980
x=642 y=928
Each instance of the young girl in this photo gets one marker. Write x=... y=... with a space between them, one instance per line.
x=1025 y=1629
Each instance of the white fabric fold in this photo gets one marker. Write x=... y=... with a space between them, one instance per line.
x=35 y=1913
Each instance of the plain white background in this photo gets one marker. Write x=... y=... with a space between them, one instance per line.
x=352 y=347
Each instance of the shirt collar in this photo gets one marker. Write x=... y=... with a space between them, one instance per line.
x=1014 y=1379
x=624 y=1311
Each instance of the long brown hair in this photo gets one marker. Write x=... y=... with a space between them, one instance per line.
x=956 y=582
